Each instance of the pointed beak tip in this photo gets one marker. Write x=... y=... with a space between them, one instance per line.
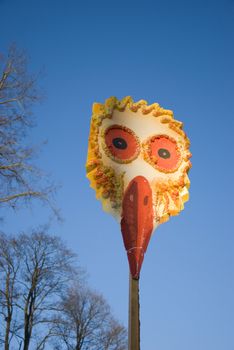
x=135 y=259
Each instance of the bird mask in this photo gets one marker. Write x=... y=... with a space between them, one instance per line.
x=138 y=160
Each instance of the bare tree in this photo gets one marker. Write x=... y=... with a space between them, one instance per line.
x=114 y=337
x=19 y=178
x=86 y=323
x=33 y=277
x=46 y=271
x=44 y=300
x=9 y=267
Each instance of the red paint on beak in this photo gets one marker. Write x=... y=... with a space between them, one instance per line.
x=137 y=222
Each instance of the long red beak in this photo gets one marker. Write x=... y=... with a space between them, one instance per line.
x=137 y=222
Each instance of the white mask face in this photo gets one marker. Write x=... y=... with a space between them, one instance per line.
x=138 y=159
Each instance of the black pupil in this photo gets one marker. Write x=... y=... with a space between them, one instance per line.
x=119 y=143
x=164 y=153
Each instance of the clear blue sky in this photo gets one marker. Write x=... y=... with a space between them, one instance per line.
x=180 y=54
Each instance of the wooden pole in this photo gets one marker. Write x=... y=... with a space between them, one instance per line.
x=133 y=320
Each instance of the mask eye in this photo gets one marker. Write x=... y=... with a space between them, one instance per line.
x=121 y=144
x=163 y=153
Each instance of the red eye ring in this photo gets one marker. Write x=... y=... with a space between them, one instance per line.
x=163 y=153
x=121 y=144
